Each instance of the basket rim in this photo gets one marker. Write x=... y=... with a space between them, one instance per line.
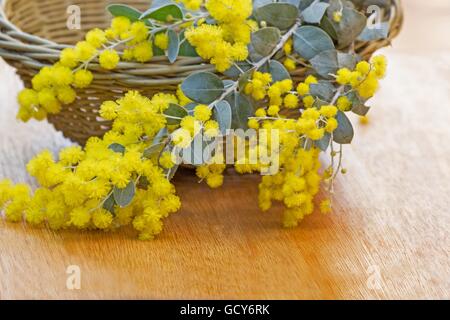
x=396 y=7
x=35 y=52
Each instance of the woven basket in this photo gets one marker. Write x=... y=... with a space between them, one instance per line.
x=33 y=32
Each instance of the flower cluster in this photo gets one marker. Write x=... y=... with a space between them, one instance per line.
x=226 y=42
x=81 y=188
x=364 y=79
x=280 y=94
x=55 y=86
x=298 y=182
x=124 y=177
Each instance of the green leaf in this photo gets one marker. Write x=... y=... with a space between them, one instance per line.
x=152 y=150
x=315 y=12
x=361 y=109
x=157 y=144
x=174 y=46
x=203 y=87
x=223 y=115
x=244 y=78
x=175 y=111
x=241 y=108
x=118 y=148
x=328 y=27
x=304 y=4
x=124 y=197
x=109 y=204
x=280 y=15
x=121 y=10
x=278 y=71
x=344 y=133
x=323 y=143
x=309 y=41
x=186 y=49
x=326 y=63
x=319 y=103
x=358 y=106
x=375 y=32
x=323 y=90
x=163 y=13
x=265 y=40
x=236 y=69
x=347 y=60
x=351 y=24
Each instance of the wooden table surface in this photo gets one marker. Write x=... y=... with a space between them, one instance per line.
x=388 y=236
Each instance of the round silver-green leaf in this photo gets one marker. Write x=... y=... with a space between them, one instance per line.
x=344 y=133
x=124 y=197
x=309 y=41
x=280 y=15
x=203 y=87
x=265 y=40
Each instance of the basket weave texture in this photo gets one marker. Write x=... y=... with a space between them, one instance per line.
x=33 y=33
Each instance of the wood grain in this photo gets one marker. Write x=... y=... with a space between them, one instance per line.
x=391 y=211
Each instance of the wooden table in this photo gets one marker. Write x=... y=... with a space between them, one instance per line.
x=388 y=236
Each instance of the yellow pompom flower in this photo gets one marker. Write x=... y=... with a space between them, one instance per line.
x=287 y=47
x=260 y=113
x=211 y=128
x=214 y=181
x=69 y=58
x=71 y=155
x=344 y=104
x=253 y=124
x=190 y=124
x=109 y=59
x=343 y=76
x=325 y=206
x=290 y=64
x=273 y=110
x=303 y=89
x=96 y=38
x=331 y=125
x=85 y=51
x=102 y=218
x=380 y=64
x=120 y=25
x=202 y=113
x=138 y=32
x=328 y=111
x=166 y=160
x=83 y=78
x=230 y=11
x=363 y=67
x=311 y=80
x=291 y=101
x=162 y=41
x=61 y=76
x=143 y=52
x=48 y=101
x=80 y=217
x=108 y=110
x=66 y=95
x=181 y=138
x=308 y=101
x=28 y=98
